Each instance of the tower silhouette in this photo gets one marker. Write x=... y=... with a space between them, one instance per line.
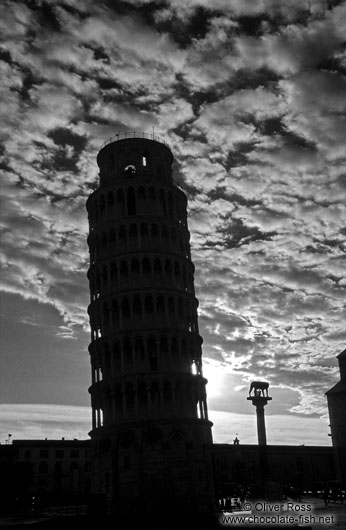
x=151 y=437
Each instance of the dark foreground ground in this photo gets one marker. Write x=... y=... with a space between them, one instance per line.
x=321 y=517
x=132 y=522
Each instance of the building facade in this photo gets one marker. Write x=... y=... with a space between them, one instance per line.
x=59 y=467
x=307 y=467
x=151 y=437
x=57 y=472
x=41 y=473
x=336 y=397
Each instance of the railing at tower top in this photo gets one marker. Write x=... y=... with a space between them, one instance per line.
x=134 y=134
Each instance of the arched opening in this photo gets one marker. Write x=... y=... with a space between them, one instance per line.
x=131 y=202
x=133 y=231
x=144 y=230
x=115 y=313
x=181 y=313
x=146 y=266
x=167 y=395
x=139 y=350
x=105 y=319
x=114 y=273
x=155 y=401
x=157 y=266
x=120 y=199
x=141 y=197
x=104 y=276
x=122 y=236
x=171 y=306
x=124 y=271
x=128 y=354
x=135 y=268
x=177 y=272
x=110 y=202
x=154 y=231
x=160 y=307
x=130 y=171
x=112 y=237
x=148 y=305
x=137 y=307
x=104 y=241
x=152 y=354
x=117 y=359
x=125 y=309
x=168 y=268
x=130 y=399
x=162 y=203
x=163 y=347
x=142 y=398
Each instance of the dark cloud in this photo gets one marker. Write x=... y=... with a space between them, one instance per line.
x=46 y=14
x=254 y=26
x=70 y=146
x=5 y=56
x=146 y=9
x=184 y=31
x=238 y=155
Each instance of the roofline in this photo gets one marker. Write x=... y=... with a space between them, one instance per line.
x=133 y=134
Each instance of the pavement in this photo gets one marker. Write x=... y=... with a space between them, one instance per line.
x=310 y=513
x=335 y=509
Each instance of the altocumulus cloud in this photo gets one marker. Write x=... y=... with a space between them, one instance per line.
x=250 y=95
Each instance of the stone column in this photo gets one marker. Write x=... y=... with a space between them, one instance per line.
x=259 y=400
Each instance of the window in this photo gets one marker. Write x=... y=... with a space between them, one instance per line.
x=74 y=453
x=43 y=467
x=44 y=453
x=58 y=467
x=27 y=453
x=59 y=453
x=73 y=466
x=130 y=170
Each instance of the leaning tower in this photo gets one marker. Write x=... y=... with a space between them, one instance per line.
x=151 y=437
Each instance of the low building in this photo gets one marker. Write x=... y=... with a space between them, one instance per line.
x=58 y=471
x=48 y=471
x=306 y=467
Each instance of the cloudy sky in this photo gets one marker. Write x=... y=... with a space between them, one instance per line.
x=251 y=97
